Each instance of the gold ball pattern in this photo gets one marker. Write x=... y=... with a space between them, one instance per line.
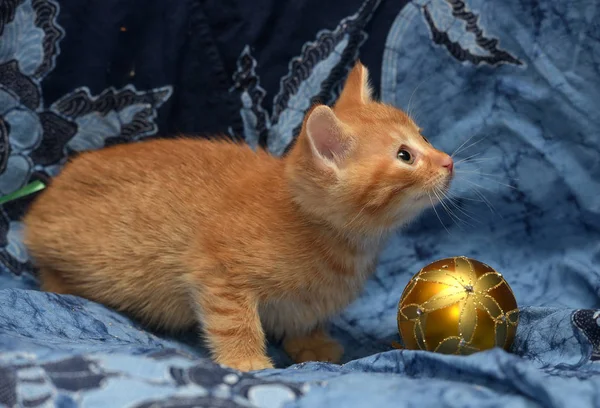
x=457 y=306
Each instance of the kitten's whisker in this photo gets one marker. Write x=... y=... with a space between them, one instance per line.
x=494 y=181
x=449 y=211
x=439 y=200
x=488 y=178
x=475 y=142
x=408 y=111
x=471 y=162
x=457 y=197
x=477 y=185
x=470 y=159
x=349 y=223
x=478 y=172
x=484 y=198
x=486 y=175
x=436 y=213
x=458 y=149
x=467 y=158
x=455 y=205
x=465 y=213
x=469 y=198
x=488 y=203
x=478 y=160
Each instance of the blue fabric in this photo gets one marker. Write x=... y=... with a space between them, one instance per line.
x=514 y=83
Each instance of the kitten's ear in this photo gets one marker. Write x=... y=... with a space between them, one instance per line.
x=326 y=134
x=356 y=89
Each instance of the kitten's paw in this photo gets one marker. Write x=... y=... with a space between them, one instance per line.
x=314 y=348
x=249 y=364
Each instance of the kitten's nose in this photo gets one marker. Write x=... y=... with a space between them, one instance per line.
x=448 y=163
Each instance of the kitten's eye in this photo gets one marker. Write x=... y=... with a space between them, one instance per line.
x=405 y=156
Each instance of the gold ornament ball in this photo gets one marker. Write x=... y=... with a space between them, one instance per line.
x=457 y=306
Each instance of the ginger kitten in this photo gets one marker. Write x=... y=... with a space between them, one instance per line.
x=180 y=232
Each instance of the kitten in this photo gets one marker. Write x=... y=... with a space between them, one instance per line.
x=176 y=232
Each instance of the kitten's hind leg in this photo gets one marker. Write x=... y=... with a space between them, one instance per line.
x=316 y=346
x=232 y=327
x=51 y=281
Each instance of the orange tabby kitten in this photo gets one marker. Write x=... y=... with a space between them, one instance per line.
x=176 y=232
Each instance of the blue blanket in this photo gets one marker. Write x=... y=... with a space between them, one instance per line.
x=513 y=85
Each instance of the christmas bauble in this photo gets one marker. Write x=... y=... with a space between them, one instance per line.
x=457 y=306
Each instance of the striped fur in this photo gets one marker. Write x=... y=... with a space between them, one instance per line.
x=180 y=232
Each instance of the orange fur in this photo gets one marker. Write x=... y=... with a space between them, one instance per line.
x=176 y=232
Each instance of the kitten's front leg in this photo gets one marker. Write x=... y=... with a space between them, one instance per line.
x=233 y=329
x=316 y=346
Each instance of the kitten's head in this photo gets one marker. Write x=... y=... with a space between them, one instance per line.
x=364 y=165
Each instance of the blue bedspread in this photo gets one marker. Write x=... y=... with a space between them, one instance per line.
x=514 y=82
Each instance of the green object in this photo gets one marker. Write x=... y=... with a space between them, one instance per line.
x=22 y=192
